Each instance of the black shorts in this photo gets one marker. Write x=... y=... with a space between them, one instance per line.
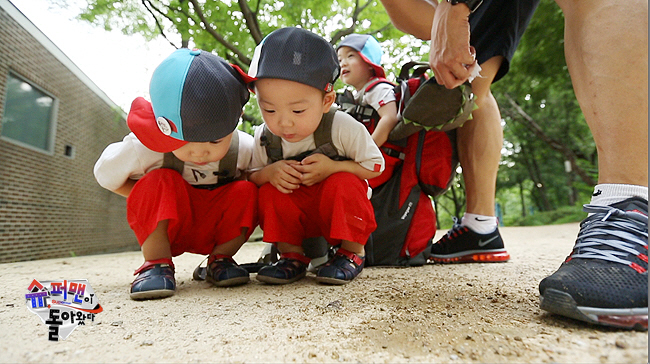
x=496 y=28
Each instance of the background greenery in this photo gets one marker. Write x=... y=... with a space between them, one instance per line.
x=548 y=166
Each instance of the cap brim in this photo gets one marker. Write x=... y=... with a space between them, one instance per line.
x=379 y=71
x=142 y=122
x=248 y=80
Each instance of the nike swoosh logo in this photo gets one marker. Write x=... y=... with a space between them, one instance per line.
x=477 y=219
x=482 y=243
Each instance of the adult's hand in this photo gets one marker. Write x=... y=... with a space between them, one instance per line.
x=452 y=59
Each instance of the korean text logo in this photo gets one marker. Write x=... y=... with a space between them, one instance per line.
x=62 y=305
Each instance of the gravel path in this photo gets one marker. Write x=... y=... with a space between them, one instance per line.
x=435 y=313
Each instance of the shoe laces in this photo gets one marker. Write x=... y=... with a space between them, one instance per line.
x=456 y=230
x=613 y=235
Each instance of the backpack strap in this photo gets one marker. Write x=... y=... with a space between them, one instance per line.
x=370 y=85
x=323 y=133
x=172 y=162
x=227 y=165
x=322 y=138
x=365 y=114
x=273 y=145
x=405 y=71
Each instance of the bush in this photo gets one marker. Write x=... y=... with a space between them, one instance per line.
x=562 y=215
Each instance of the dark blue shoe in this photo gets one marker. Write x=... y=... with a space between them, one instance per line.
x=341 y=269
x=605 y=279
x=155 y=279
x=290 y=268
x=223 y=271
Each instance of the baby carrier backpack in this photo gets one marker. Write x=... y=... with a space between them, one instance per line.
x=420 y=164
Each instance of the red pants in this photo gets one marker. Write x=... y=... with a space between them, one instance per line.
x=199 y=219
x=336 y=208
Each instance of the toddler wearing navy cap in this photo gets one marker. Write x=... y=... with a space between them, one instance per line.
x=181 y=171
x=310 y=162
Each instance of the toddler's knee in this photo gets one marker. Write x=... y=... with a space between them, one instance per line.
x=268 y=194
x=244 y=188
x=342 y=183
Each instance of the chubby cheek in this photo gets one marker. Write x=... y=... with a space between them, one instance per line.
x=220 y=153
x=273 y=124
x=181 y=154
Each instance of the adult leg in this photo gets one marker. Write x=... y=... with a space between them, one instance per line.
x=479 y=144
x=606 y=45
x=604 y=280
x=479 y=149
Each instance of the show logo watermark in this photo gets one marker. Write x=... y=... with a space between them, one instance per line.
x=62 y=305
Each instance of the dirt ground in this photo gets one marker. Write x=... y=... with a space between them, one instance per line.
x=435 y=313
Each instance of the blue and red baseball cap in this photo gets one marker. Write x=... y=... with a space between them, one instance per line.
x=368 y=48
x=196 y=96
x=296 y=54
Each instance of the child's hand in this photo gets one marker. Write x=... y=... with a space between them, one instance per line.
x=284 y=176
x=315 y=168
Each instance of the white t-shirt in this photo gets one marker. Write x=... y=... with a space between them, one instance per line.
x=131 y=159
x=349 y=137
x=378 y=96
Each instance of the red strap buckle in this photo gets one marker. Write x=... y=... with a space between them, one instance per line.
x=350 y=255
x=150 y=263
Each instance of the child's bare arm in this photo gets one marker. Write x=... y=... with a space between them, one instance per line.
x=386 y=123
x=317 y=167
x=126 y=188
x=281 y=175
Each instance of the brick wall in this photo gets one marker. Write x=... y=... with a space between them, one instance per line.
x=50 y=205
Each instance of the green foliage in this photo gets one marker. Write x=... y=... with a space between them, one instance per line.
x=532 y=173
x=563 y=215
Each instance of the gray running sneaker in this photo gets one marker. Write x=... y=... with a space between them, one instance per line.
x=605 y=279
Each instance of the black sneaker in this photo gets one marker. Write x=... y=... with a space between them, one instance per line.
x=155 y=279
x=344 y=267
x=223 y=271
x=463 y=245
x=290 y=268
x=605 y=279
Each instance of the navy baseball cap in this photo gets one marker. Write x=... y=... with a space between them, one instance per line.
x=296 y=54
x=369 y=49
x=196 y=96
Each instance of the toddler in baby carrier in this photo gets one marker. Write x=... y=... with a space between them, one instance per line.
x=421 y=161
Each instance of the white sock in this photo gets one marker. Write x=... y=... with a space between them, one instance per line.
x=608 y=193
x=480 y=224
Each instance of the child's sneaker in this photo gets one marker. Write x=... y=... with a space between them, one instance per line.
x=341 y=269
x=605 y=279
x=290 y=268
x=155 y=280
x=223 y=271
x=463 y=245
